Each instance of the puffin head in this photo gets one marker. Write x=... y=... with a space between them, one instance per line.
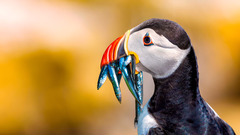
x=160 y=45
x=157 y=45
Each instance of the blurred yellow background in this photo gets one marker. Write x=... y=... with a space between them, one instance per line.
x=50 y=61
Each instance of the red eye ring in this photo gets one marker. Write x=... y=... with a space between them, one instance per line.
x=147 y=41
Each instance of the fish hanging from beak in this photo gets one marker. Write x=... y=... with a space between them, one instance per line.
x=118 y=61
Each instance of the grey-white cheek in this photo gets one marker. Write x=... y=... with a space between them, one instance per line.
x=169 y=62
x=140 y=51
x=160 y=62
x=140 y=67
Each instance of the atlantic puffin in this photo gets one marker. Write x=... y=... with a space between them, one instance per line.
x=163 y=49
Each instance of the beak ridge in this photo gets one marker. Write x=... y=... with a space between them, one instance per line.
x=111 y=52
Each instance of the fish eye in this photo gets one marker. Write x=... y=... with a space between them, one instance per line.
x=147 y=40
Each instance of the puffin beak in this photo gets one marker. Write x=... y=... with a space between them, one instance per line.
x=116 y=62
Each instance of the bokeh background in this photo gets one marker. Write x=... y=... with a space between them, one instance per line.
x=50 y=52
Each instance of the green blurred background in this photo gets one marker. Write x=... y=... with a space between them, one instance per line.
x=50 y=60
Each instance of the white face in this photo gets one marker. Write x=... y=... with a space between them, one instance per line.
x=160 y=59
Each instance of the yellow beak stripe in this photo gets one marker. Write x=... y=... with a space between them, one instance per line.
x=127 y=34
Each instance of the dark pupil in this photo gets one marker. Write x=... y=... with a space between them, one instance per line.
x=147 y=39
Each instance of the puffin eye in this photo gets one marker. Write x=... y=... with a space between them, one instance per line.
x=147 y=41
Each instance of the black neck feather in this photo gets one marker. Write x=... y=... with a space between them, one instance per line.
x=178 y=107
